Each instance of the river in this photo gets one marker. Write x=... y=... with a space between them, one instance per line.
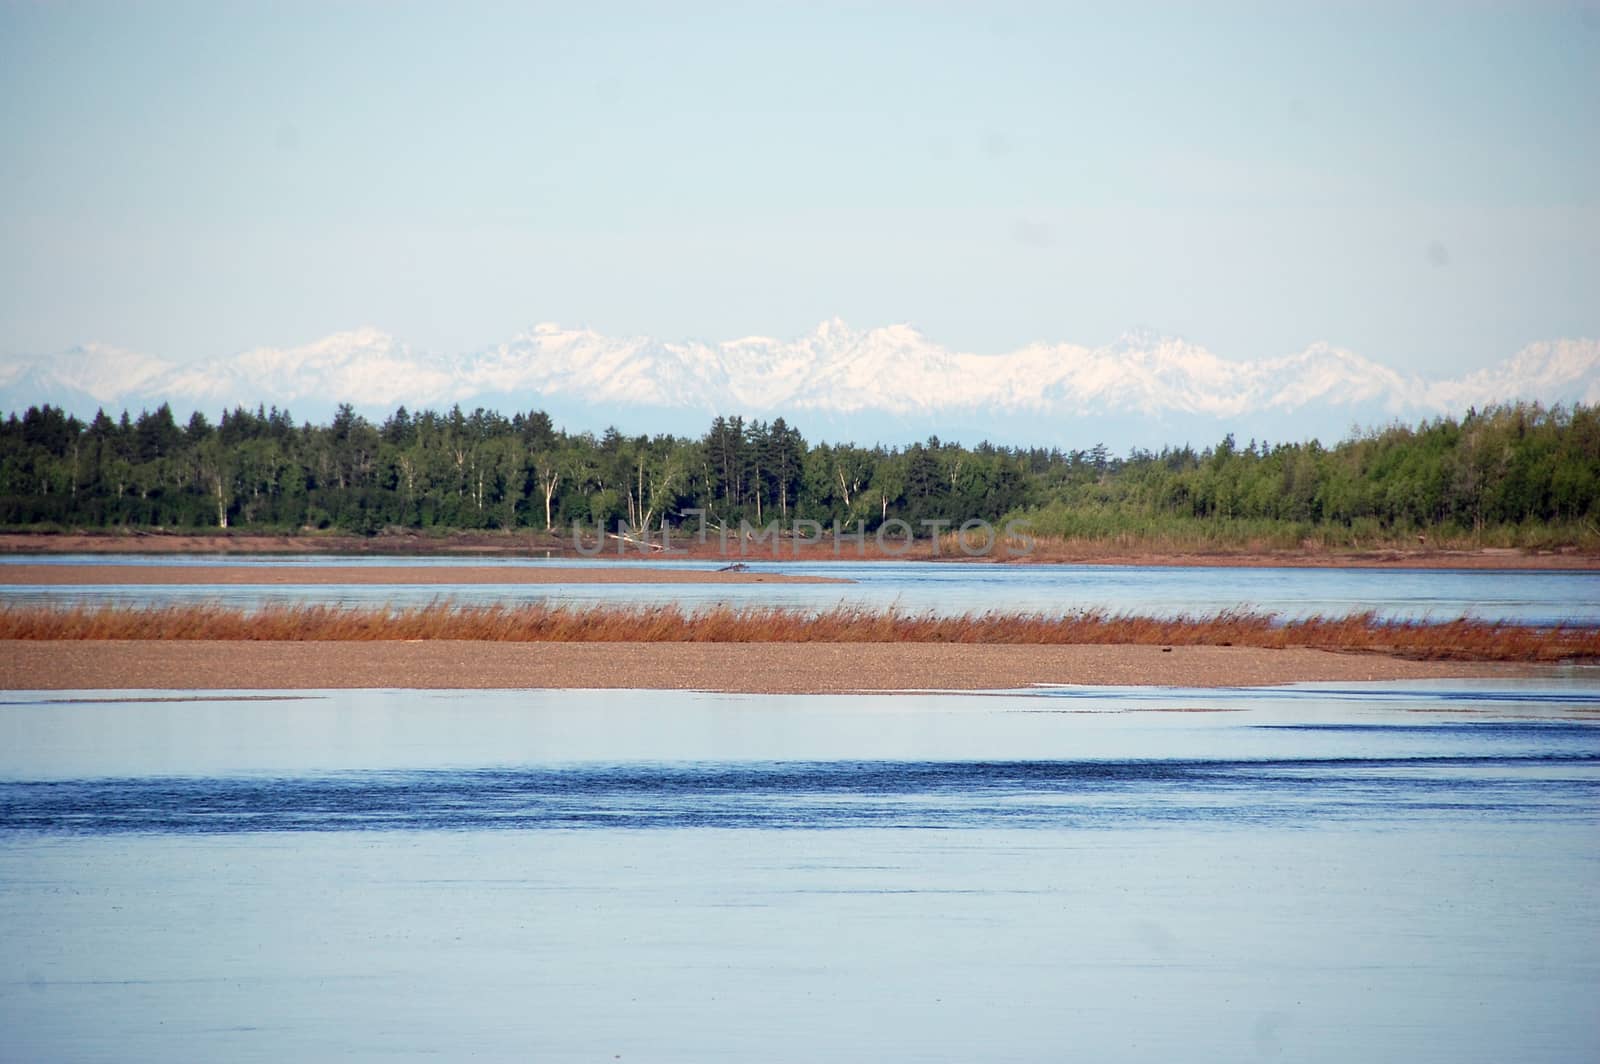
x=1520 y=596
x=1366 y=871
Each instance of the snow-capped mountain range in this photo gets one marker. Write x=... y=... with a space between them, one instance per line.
x=891 y=384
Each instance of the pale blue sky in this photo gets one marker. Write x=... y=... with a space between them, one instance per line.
x=1419 y=184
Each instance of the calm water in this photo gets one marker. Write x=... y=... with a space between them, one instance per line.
x=1520 y=596
x=1352 y=872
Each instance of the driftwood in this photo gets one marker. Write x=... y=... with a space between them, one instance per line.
x=636 y=542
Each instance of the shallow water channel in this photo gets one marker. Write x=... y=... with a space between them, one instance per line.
x=1519 y=596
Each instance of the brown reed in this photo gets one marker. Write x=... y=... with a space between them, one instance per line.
x=1462 y=639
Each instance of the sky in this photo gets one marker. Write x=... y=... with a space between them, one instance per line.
x=1418 y=183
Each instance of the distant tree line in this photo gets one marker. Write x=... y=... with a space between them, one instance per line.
x=1509 y=467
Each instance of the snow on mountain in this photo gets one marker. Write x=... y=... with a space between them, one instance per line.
x=363 y=366
x=586 y=365
x=834 y=372
x=1326 y=374
x=1569 y=369
x=98 y=372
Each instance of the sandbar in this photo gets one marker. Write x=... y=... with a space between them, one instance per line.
x=98 y=575
x=557 y=545
x=772 y=668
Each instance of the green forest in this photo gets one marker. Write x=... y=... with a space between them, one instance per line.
x=1517 y=475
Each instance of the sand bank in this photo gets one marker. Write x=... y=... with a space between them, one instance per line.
x=758 y=668
x=542 y=545
x=79 y=575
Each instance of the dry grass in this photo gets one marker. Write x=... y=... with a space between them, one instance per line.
x=1457 y=640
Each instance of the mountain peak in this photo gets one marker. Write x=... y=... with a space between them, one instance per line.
x=1144 y=337
x=834 y=329
x=900 y=332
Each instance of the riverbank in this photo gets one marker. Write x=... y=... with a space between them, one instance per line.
x=1462 y=639
x=398 y=575
x=768 y=668
x=542 y=545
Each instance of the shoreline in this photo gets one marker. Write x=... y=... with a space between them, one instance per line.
x=1462 y=639
x=768 y=668
x=405 y=575
x=541 y=546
